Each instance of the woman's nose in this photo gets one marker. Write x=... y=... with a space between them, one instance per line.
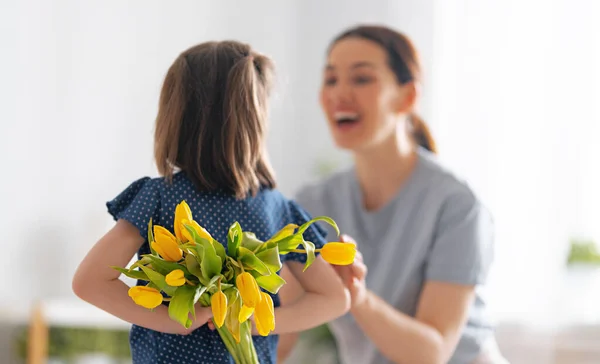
x=342 y=93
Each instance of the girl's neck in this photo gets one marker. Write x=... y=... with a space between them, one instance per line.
x=383 y=170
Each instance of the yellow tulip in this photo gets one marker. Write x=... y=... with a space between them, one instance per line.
x=166 y=245
x=245 y=313
x=248 y=288
x=339 y=253
x=265 y=314
x=176 y=278
x=145 y=296
x=218 y=303
x=182 y=212
x=199 y=230
x=284 y=232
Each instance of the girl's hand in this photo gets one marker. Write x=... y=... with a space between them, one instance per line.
x=354 y=275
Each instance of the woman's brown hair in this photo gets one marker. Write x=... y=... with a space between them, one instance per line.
x=404 y=61
x=212 y=118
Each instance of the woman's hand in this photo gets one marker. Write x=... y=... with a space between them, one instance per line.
x=354 y=275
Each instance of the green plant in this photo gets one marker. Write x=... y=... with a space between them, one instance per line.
x=583 y=251
x=67 y=343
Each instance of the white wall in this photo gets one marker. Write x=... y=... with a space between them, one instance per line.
x=516 y=100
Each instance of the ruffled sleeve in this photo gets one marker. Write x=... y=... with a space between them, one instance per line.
x=315 y=233
x=137 y=204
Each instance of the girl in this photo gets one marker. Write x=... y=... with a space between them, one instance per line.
x=425 y=237
x=209 y=146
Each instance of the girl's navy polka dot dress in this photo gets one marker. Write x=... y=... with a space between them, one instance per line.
x=263 y=214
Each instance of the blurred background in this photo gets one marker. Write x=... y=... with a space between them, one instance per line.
x=511 y=92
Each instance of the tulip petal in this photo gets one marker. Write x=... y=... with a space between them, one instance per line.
x=182 y=212
x=176 y=278
x=147 y=297
x=248 y=288
x=339 y=253
x=265 y=315
x=218 y=303
x=245 y=313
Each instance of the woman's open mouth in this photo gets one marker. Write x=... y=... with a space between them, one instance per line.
x=346 y=120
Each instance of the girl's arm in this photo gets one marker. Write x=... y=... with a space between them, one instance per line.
x=323 y=298
x=97 y=283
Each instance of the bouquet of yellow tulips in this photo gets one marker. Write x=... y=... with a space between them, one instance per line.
x=191 y=267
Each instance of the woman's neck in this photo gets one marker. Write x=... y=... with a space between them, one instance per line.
x=383 y=170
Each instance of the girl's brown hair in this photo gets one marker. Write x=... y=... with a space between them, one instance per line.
x=212 y=118
x=404 y=61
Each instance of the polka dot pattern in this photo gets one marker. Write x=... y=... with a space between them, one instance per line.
x=263 y=215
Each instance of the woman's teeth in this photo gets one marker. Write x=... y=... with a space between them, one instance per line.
x=345 y=117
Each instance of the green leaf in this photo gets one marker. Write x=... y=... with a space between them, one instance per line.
x=234 y=239
x=232 y=295
x=226 y=286
x=193 y=267
x=271 y=283
x=159 y=280
x=143 y=261
x=283 y=233
x=151 y=237
x=251 y=262
x=290 y=243
x=211 y=263
x=164 y=267
x=135 y=274
x=250 y=241
x=310 y=253
x=326 y=219
x=199 y=292
x=189 y=247
x=220 y=249
x=152 y=285
x=228 y=272
x=204 y=299
x=270 y=258
x=213 y=281
x=182 y=304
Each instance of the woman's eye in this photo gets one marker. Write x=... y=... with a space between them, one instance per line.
x=361 y=80
x=330 y=81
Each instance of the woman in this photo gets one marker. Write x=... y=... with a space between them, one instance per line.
x=425 y=237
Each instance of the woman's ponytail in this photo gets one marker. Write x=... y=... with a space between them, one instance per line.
x=422 y=134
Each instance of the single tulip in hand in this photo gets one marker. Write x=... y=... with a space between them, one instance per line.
x=353 y=274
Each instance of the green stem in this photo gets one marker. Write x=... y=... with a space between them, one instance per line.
x=303 y=251
x=190 y=282
x=242 y=352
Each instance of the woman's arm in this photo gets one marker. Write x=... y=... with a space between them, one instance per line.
x=430 y=337
x=98 y=284
x=323 y=298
